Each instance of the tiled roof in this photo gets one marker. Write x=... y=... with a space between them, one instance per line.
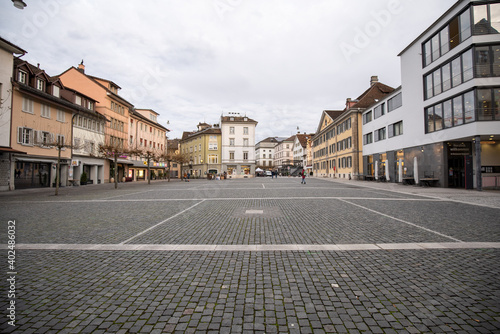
x=334 y=113
x=376 y=91
x=303 y=138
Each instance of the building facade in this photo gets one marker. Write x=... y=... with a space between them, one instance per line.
x=447 y=127
x=300 y=150
x=148 y=139
x=203 y=151
x=264 y=153
x=7 y=52
x=116 y=109
x=238 y=145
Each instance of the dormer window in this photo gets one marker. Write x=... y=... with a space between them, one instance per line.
x=78 y=100
x=90 y=105
x=40 y=84
x=55 y=91
x=22 y=77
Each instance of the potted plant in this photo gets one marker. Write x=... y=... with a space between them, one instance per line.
x=83 y=179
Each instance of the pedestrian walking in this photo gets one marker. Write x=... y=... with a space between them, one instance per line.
x=303 y=174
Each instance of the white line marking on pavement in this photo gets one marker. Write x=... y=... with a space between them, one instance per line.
x=164 y=221
x=403 y=221
x=260 y=248
x=263 y=186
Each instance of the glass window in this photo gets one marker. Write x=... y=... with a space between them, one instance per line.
x=438 y=117
x=465 y=29
x=446 y=76
x=467 y=64
x=428 y=87
x=495 y=17
x=482 y=61
x=496 y=60
x=469 y=107
x=447 y=112
x=445 y=40
x=435 y=47
x=437 y=81
x=454 y=33
x=484 y=105
x=395 y=102
x=481 y=24
x=458 y=111
x=456 y=72
x=429 y=116
x=496 y=111
x=427 y=53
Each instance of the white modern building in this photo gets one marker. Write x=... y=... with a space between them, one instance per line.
x=444 y=123
x=238 y=145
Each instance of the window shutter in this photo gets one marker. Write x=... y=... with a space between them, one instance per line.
x=19 y=135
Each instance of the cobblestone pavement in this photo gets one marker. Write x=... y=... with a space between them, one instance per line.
x=369 y=257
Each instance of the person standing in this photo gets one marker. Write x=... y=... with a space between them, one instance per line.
x=303 y=174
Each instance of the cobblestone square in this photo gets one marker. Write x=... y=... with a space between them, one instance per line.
x=253 y=256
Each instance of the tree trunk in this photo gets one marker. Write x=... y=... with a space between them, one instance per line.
x=116 y=170
x=149 y=172
x=168 y=171
x=58 y=173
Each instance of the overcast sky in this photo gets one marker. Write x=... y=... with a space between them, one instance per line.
x=280 y=62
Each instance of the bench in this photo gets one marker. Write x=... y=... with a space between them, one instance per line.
x=429 y=180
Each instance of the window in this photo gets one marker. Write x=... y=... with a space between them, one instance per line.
x=395 y=129
x=25 y=136
x=429 y=116
x=395 y=102
x=45 y=111
x=245 y=155
x=367 y=118
x=60 y=140
x=55 y=90
x=456 y=72
x=446 y=76
x=436 y=78
x=213 y=159
x=458 y=111
x=231 y=155
x=467 y=66
x=245 y=141
x=245 y=130
x=231 y=141
x=212 y=146
x=90 y=106
x=27 y=105
x=368 y=138
x=45 y=138
x=22 y=77
x=447 y=114
x=61 y=116
x=469 y=114
x=231 y=130
x=380 y=134
x=379 y=110
x=40 y=84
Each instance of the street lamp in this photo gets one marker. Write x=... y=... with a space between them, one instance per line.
x=19 y=4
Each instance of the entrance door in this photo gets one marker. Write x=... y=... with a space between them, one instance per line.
x=456 y=172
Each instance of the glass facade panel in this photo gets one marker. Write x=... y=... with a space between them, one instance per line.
x=469 y=107
x=438 y=117
x=437 y=81
x=430 y=119
x=482 y=61
x=446 y=76
x=456 y=72
x=435 y=47
x=445 y=40
x=484 y=105
x=495 y=16
x=481 y=24
x=448 y=114
x=428 y=87
x=454 y=33
x=458 y=111
x=465 y=29
x=496 y=60
x=496 y=111
x=467 y=64
x=427 y=53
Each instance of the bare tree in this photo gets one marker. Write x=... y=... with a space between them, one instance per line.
x=172 y=156
x=149 y=155
x=113 y=150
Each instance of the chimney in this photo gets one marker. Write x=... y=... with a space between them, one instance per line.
x=373 y=80
x=81 y=67
x=349 y=103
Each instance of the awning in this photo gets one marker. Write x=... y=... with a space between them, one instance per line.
x=40 y=160
x=10 y=149
x=122 y=161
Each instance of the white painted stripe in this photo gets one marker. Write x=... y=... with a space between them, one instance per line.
x=260 y=248
x=162 y=222
x=403 y=221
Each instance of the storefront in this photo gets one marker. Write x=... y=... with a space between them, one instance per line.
x=32 y=172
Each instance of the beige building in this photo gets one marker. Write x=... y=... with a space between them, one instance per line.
x=203 y=149
x=42 y=126
x=7 y=52
x=150 y=138
x=116 y=109
x=337 y=145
